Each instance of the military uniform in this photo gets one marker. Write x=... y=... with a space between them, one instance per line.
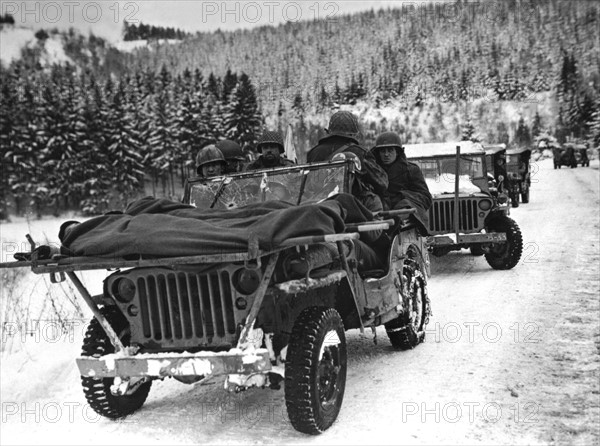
x=371 y=182
x=407 y=187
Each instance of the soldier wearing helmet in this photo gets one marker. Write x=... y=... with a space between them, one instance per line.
x=270 y=146
x=234 y=156
x=210 y=162
x=343 y=136
x=407 y=186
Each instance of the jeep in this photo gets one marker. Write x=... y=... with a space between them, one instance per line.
x=464 y=213
x=255 y=317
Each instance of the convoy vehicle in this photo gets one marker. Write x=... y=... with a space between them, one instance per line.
x=564 y=156
x=265 y=310
x=464 y=213
x=581 y=154
x=518 y=170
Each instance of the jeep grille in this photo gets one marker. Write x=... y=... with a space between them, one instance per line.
x=182 y=309
x=441 y=216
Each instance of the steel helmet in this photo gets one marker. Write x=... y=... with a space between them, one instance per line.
x=209 y=154
x=344 y=123
x=231 y=150
x=388 y=139
x=270 y=137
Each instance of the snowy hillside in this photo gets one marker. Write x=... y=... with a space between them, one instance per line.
x=16 y=39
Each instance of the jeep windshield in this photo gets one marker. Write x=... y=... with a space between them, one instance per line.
x=296 y=184
x=440 y=174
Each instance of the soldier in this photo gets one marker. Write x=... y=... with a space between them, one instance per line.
x=343 y=134
x=210 y=162
x=270 y=146
x=407 y=187
x=234 y=156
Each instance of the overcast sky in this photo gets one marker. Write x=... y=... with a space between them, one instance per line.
x=105 y=18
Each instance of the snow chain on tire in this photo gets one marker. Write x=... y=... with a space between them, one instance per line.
x=402 y=333
x=97 y=390
x=315 y=370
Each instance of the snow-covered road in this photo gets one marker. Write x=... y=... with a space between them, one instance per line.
x=511 y=357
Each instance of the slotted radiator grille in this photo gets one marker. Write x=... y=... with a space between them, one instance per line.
x=441 y=216
x=182 y=306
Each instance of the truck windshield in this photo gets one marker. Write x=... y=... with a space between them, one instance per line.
x=296 y=185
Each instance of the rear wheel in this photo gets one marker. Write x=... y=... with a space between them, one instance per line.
x=408 y=330
x=505 y=255
x=97 y=390
x=315 y=370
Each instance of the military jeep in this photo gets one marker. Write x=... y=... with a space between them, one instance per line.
x=464 y=213
x=564 y=156
x=265 y=316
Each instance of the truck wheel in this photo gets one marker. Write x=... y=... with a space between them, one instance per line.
x=97 y=390
x=525 y=196
x=408 y=330
x=505 y=255
x=315 y=370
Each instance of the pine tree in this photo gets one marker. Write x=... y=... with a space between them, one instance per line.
x=522 y=135
x=468 y=131
x=241 y=118
x=536 y=127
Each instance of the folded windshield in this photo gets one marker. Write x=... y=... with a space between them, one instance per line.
x=296 y=185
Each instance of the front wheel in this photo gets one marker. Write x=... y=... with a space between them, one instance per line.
x=315 y=370
x=97 y=390
x=505 y=255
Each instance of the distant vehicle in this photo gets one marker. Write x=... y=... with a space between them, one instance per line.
x=518 y=170
x=564 y=156
x=465 y=213
x=581 y=155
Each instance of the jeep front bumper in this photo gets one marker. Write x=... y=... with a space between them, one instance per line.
x=159 y=365
x=466 y=239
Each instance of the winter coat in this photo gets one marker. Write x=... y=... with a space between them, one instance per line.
x=407 y=187
x=371 y=178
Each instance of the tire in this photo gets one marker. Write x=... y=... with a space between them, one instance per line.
x=525 y=196
x=315 y=371
x=505 y=255
x=408 y=330
x=97 y=390
x=476 y=250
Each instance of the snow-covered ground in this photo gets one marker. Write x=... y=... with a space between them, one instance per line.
x=511 y=357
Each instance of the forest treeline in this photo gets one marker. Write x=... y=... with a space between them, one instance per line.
x=447 y=69
x=72 y=141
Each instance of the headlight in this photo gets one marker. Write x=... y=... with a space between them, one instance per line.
x=485 y=205
x=246 y=281
x=124 y=290
x=502 y=198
